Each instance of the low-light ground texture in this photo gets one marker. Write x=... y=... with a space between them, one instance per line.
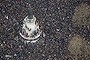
x=64 y=37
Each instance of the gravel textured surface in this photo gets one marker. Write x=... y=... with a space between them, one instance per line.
x=54 y=17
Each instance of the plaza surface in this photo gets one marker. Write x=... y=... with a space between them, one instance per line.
x=61 y=39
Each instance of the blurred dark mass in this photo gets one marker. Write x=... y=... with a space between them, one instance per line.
x=65 y=36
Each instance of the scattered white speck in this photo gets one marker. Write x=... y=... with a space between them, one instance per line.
x=20 y=46
x=1 y=44
x=44 y=35
x=57 y=29
x=70 y=35
x=67 y=16
x=88 y=42
x=1 y=56
x=58 y=7
x=26 y=41
x=43 y=55
x=3 y=11
x=34 y=41
x=6 y=17
x=4 y=42
x=63 y=18
x=15 y=54
x=54 y=54
x=30 y=41
x=8 y=56
x=16 y=38
x=29 y=52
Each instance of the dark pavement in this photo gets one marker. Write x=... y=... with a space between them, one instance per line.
x=54 y=17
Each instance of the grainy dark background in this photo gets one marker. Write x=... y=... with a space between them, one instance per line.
x=54 y=17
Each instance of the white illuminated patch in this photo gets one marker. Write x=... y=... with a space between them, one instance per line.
x=6 y=17
x=29 y=28
x=30 y=38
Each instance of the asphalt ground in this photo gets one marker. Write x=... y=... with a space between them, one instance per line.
x=55 y=20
